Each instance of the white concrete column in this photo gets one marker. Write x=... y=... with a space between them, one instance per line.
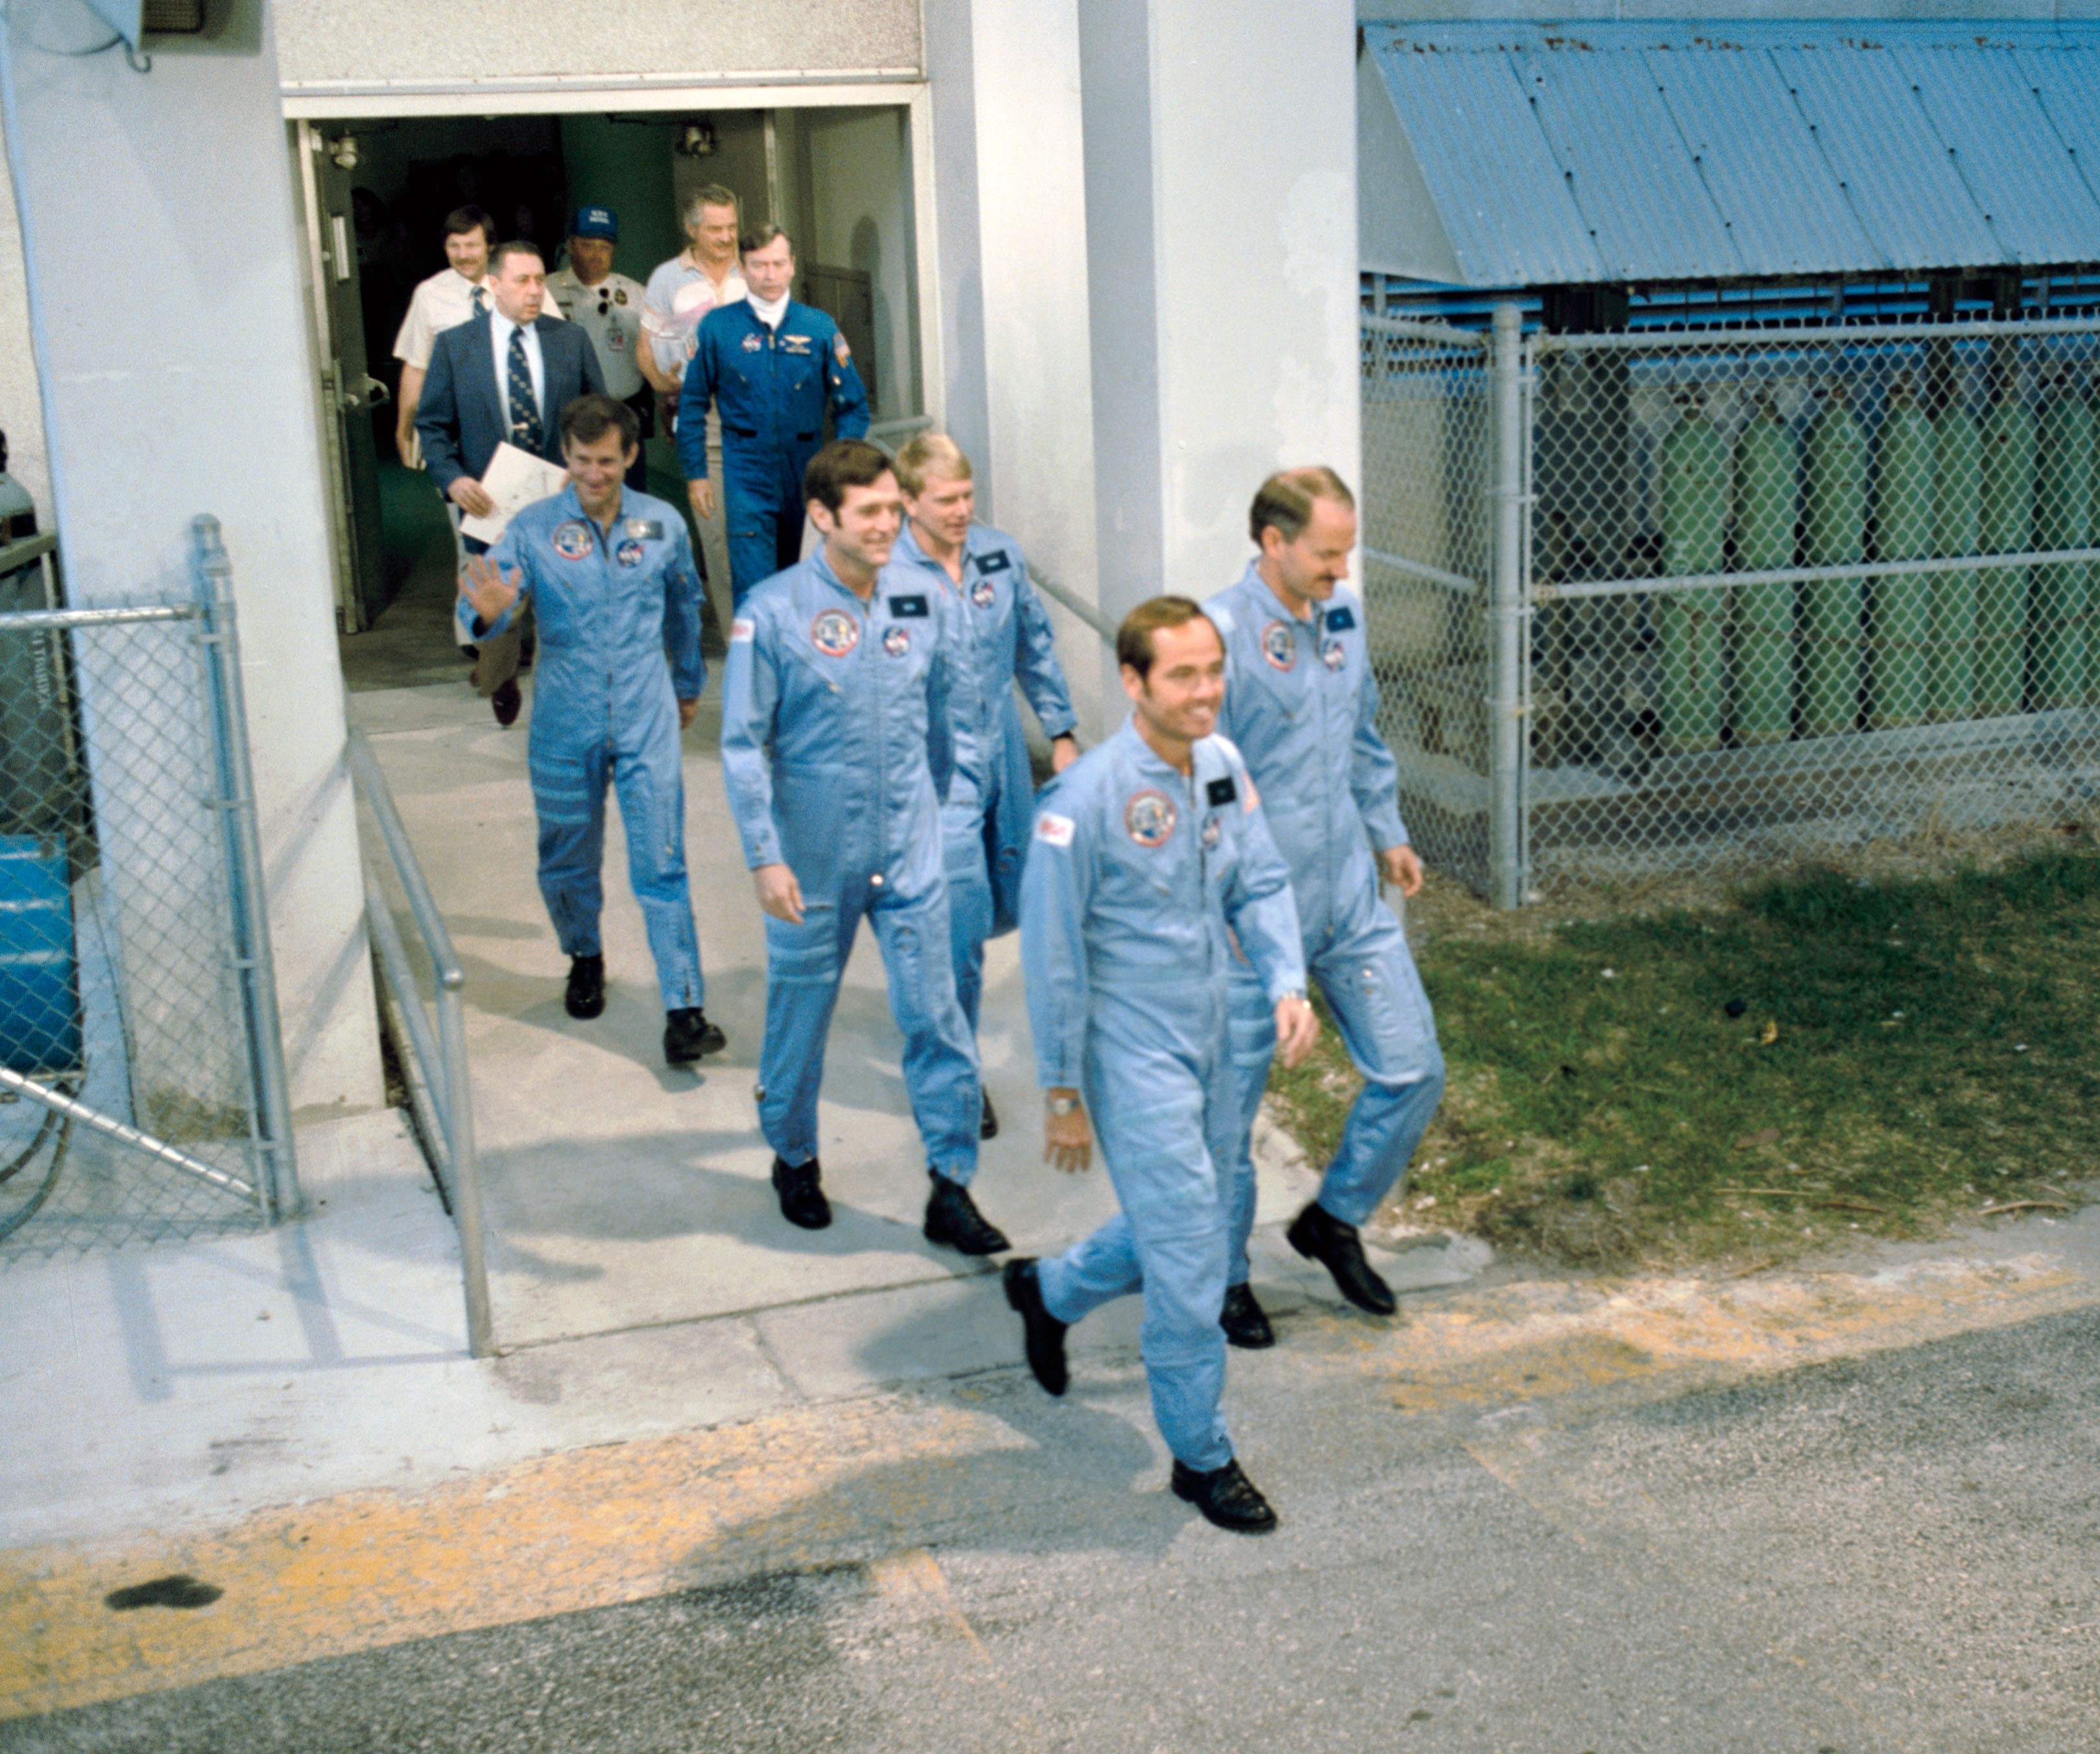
x=1012 y=217
x=1221 y=239
x=161 y=248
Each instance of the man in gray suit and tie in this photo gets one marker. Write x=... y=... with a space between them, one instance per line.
x=503 y=377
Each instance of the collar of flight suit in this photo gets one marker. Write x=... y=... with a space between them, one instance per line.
x=572 y=505
x=1271 y=599
x=820 y=567
x=1150 y=757
x=908 y=548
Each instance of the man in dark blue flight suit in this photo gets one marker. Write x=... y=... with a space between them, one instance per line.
x=773 y=367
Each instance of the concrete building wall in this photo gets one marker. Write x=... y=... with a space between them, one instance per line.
x=21 y=400
x=175 y=379
x=416 y=40
x=1010 y=172
x=1221 y=203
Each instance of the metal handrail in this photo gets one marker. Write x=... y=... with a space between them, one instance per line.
x=1078 y=606
x=446 y=1081
x=902 y=427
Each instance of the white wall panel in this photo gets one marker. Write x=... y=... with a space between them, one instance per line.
x=494 y=39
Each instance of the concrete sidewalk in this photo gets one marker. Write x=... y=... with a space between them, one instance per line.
x=623 y=1194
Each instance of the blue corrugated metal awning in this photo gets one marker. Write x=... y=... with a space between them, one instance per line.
x=1531 y=154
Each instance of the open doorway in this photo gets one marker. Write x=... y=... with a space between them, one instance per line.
x=378 y=190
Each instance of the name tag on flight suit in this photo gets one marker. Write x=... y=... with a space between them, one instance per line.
x=1221 y=792
x=1342 y=620
x=903 y=607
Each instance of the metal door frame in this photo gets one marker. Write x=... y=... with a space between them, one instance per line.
x=315 y=101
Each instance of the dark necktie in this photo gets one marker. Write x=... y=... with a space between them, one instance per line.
x=525 y=429
x=481 y=301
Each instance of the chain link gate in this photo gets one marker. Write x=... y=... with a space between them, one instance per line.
x=1427 y=546
x=1779 y=592
x=142 y=1094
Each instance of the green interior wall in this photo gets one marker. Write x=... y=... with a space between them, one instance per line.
x=626 y=166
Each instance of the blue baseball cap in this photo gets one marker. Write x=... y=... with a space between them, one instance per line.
x=595 y=222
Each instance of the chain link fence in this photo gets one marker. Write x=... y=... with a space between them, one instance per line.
x=1788 y=591
x=1427 y=541
x=130 y=1105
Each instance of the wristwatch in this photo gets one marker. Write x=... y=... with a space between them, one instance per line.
x=1062 y=1105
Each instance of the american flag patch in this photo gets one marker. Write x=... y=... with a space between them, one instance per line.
x=741 y=629
x=1056 y=829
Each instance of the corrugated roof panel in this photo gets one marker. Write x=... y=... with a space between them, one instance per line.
x=1663 y=151
x=2016 y=168
x=1501 y=198
x=1632 y=180
x=1903 y=188
x=2067 y=82
x=1773 y=189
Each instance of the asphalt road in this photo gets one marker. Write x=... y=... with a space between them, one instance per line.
x=1898 y=1552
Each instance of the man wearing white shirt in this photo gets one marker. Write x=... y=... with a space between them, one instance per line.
x=700 y=278
x=607 y=305
x=447 y=299
x=704 y=276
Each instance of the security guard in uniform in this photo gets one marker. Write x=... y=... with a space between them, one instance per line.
x=837 y=748
x=607 y=306
x=1008 y=637
x=775 y=367
x=1302 y=705
x=1150 y=860
x=609 y=575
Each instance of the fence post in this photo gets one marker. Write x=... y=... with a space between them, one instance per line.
x=243 y=859
x=1506 y=704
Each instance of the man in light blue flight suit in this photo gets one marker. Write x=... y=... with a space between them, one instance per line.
x=1302 y=705
x=609 y=574
x=773 y=367
x=836 y=748
x=1150 y=857
x=1008 y=637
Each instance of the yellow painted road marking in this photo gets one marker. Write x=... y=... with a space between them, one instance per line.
x=625 y=1522
x=583 y=1528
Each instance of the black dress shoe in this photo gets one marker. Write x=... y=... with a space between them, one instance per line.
x=802 y=1202
x=988 y=1124
x=687 y=1035
x=1226 y=1497
x=952 y=1217
x=1244 y=1320
x=1318 y=1235
x=505 y=702
x=585 y=998
x=1042 y=1334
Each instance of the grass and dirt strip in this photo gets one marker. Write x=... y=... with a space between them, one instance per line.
x=1756 y=1076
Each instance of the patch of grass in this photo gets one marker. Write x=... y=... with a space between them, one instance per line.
x=1822 y=1054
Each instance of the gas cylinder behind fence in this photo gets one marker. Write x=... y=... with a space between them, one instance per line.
x=1691 y=623
x=1902 y=603
x=2063 y=518
x=2008 y=526
x=1957 y=509
x=1837 y=460
x=1766 y=460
